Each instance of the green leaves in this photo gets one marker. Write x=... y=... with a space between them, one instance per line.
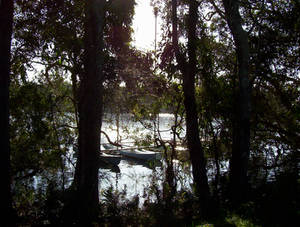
x=36 y=136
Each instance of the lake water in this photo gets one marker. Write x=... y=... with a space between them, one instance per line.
x=137 y=177
x=130 y=130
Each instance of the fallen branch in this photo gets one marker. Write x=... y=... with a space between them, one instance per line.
x=109 y=140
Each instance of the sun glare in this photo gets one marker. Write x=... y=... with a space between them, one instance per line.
x=144 y=26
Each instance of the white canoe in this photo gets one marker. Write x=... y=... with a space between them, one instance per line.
x=141 y=154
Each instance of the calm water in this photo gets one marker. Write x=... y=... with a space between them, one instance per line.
x=137 y=177
x=131 y=130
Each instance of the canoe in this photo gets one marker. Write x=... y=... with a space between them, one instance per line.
x=141 y=154
x=107 y=161
x=113 y=159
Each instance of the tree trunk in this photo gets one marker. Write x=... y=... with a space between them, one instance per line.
x=241 y=142
x=90 y=113
x=192 y=127
x=6 y=19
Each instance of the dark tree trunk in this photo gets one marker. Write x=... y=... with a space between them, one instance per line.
x=6 y=19
x=188 y=70
x=216 y=152
x=90 y=113
x=241 y=141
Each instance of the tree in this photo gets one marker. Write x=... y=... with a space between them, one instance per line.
x=241 y=130
x=6 y=21
x=44 y=123
x=90 y=112
x=205 y=79
x=188 y=70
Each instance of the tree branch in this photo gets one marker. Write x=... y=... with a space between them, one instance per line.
x=218 y=10
x=109 y=140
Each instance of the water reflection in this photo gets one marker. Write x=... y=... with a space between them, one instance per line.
x=134 y=177
x=137 y=176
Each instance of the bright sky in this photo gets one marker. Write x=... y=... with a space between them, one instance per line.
x=144 y=26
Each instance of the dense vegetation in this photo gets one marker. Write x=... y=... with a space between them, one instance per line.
x=227 y=70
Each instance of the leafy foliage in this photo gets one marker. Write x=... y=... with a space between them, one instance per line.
x=47 y=68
